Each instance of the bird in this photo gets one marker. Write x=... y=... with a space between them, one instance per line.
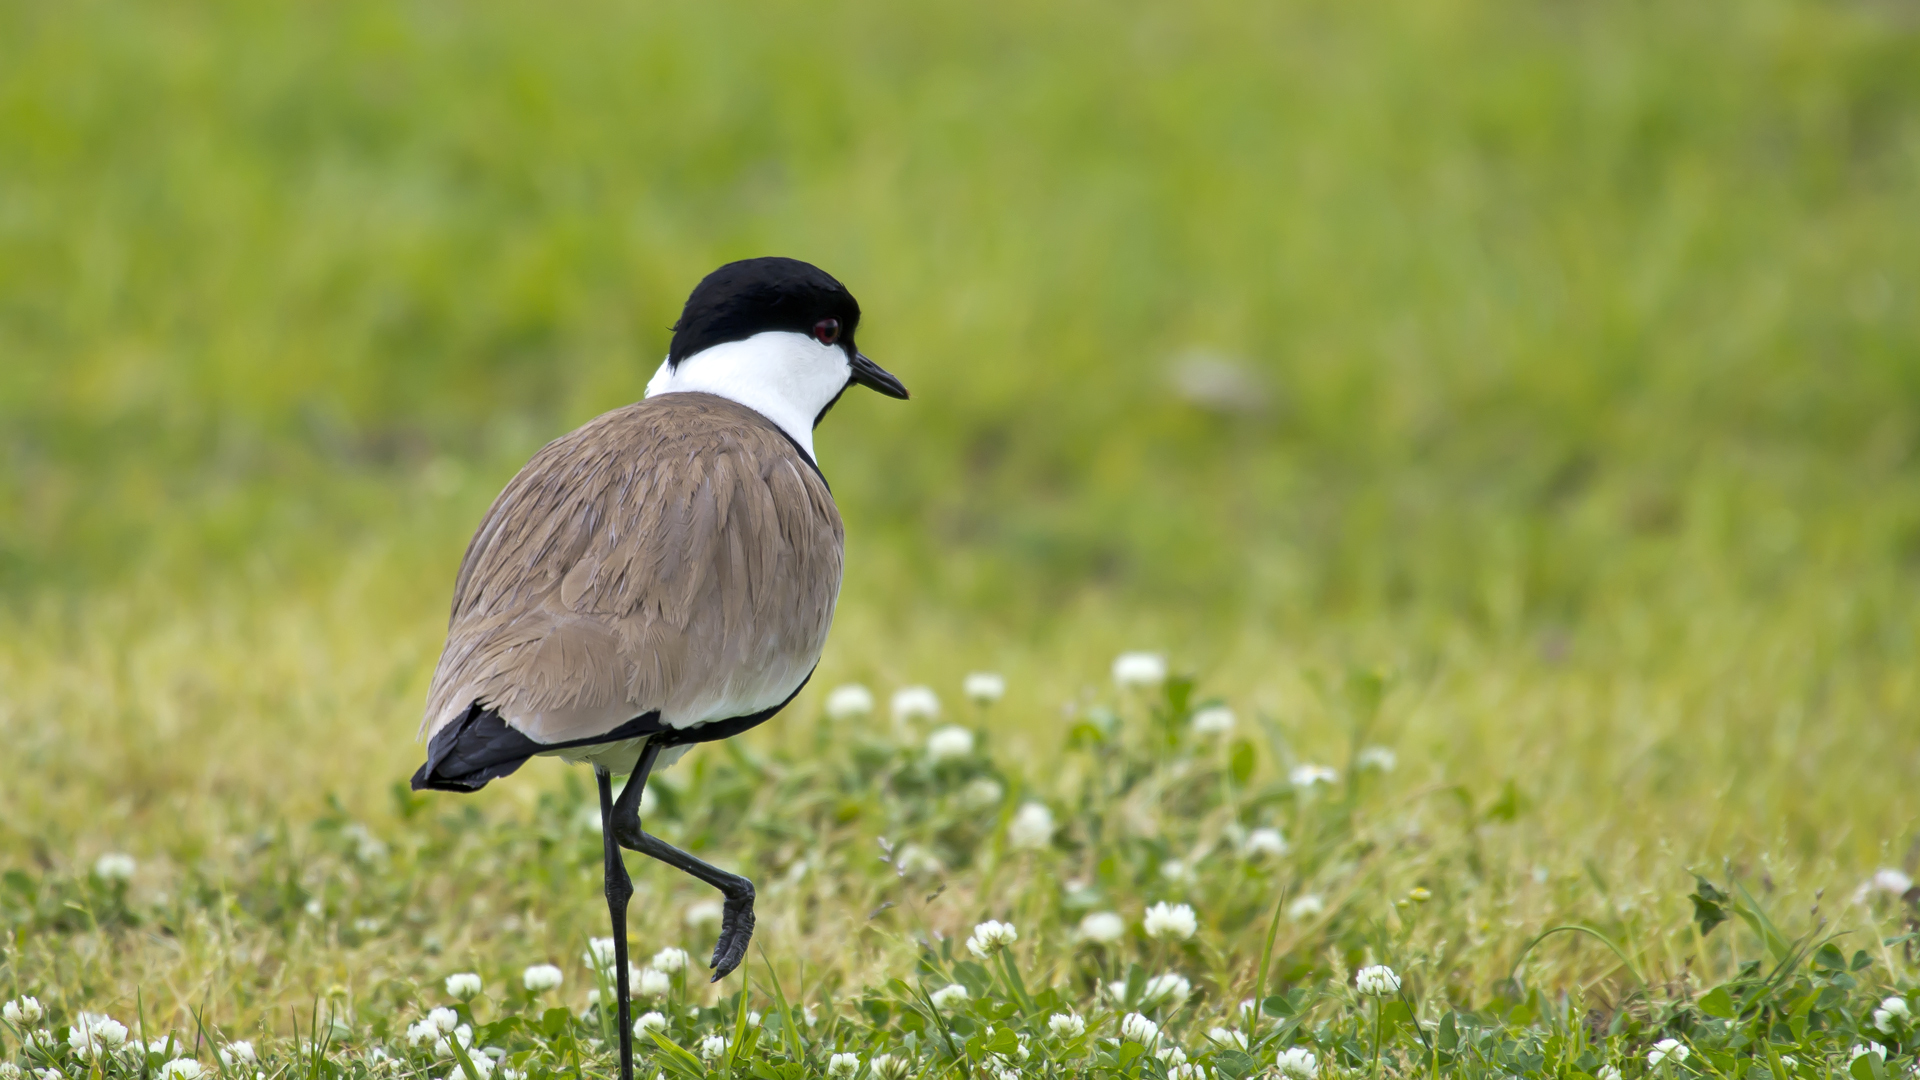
x=663 y=576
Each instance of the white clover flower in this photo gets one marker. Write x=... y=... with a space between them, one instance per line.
x=1305 y=776
x=1376 y=757
x=540 y=978
x=984 y=687
x=421 y=1032
x=463 y=985
x=114 y=866
x=239 y=1051
x=1609 y=1072
x=712 y=1047
x=705 y=914
x=1885 y=880
x=982 y=792
x=916 y=861
x=367 y=847
x=42 y=1040
x=1891 y=1014
x=1067 y=1025
x=1789 y=1061
x=482 y=1068
x=1137 y=1028
x=843 y=1066
x=1297 y=1063
x=513 y=1074
x=599 y=955
x=849 y=701
x=649 y=1021
x=1262 y=843
x=1186 y=1071
x=1378 y=981
x=463 y=1034
x=949 y=997
x=1171 y=1055
x=1103 y=927
x=1229 y=1038
x=948 y=742
x=1166 y=920
x=1165 y=989
x=890 y=1067
x=1212 y=721
x=49 y=1074
x=670 y=959
x=990 y=937
x=1884 y=1021
x=1306 y=906
x=915 y=703
x=652 y=983
x=93 y=1034
x=443 y=1020
x=182 y=1069
x=1857 y=1051
x=1177 y=872
x=1134 y=670
x=23 y=1011
x=10 y=1071
x=1032 y=827
x=1664 y=1049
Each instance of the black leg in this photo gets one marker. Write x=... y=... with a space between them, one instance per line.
x=619 y=891
x=736 y=922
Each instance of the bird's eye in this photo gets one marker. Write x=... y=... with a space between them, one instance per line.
x=827 y=331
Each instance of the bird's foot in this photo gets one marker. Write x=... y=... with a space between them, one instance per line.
x=736 y=929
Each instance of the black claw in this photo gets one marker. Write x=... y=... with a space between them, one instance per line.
x=736 y=930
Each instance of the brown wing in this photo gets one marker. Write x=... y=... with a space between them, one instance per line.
x=678 y=554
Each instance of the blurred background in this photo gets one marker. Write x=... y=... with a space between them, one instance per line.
x=1558 y=359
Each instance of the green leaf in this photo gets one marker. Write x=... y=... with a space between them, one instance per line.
x=1449 y=1034
x=1240 y=762
x=1509 y=806
x=975 y=978
x=1276 y=1006
x=1179 y=694
x=1862 y=1067
x=675 y=1057
x=1718 y=1003
x=1003 y=1041
x=1829 y=958
x=1861 y=960
x=1755 y=917
x=1709 y=905
x=1232 y=1064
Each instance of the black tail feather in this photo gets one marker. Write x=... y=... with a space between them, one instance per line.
x=479 y=746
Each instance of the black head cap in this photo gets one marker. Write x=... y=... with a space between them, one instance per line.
x=751 y=296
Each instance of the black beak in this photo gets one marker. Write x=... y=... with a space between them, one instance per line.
x=874 y=377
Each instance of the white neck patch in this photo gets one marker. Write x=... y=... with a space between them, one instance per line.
x=785 y=376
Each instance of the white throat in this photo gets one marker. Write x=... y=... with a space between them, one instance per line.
x=784 y=376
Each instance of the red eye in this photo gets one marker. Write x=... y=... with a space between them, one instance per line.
x=827 y=331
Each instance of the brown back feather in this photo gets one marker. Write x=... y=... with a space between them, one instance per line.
x=677 y=554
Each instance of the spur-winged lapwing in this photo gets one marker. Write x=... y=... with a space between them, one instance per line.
x=661 y=577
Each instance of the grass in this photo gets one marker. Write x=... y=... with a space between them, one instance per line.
x=1568 y=449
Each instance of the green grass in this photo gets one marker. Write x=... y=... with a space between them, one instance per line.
x=1589 y=423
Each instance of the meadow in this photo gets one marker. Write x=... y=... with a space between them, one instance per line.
x=1502 y=418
